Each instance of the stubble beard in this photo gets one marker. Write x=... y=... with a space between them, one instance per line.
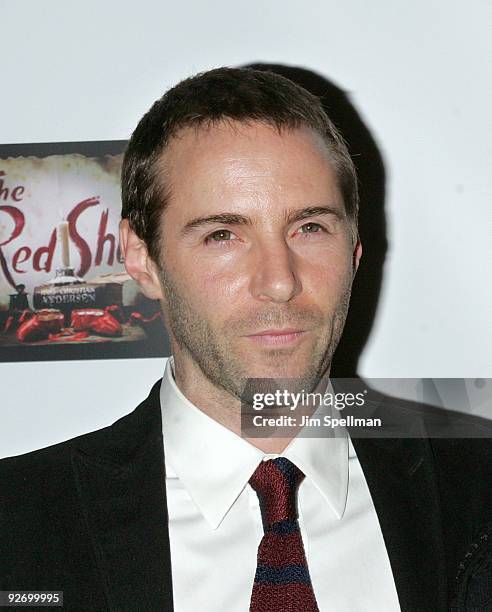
x=207 y=344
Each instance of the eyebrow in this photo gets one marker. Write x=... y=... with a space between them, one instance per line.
x=228 y=218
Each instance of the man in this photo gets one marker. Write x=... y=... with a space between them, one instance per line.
x=240 y=216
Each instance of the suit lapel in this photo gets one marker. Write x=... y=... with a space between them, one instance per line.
x=121 y=485
x=401 y=480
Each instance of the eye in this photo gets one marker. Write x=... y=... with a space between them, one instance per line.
x=221 y=235
x=311 y=228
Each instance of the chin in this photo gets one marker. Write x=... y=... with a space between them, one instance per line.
x=284 y=369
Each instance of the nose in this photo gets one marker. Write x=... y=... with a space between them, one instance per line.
x=274 y=276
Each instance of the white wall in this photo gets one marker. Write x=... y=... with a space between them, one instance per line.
x=418 y=72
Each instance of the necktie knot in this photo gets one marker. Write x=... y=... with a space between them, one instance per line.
x=276 y=483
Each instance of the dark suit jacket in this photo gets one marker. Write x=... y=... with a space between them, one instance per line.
x=88 y=516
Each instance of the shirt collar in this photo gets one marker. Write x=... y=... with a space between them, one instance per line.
x=215 y=464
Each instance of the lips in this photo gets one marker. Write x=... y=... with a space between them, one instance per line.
x=276 y=332
x=277 y=337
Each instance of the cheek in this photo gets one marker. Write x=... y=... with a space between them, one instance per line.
x=328 y=279
x=214 y=289
x=222 y=285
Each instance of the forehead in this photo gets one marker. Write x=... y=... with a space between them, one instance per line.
x=245 y=164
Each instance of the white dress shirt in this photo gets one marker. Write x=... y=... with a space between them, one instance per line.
x=215 y=521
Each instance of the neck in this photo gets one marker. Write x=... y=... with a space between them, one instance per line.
x=221 y=405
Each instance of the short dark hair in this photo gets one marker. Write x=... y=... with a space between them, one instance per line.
x=237 y=94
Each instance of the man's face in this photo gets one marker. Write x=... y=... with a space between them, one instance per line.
x=257 y=259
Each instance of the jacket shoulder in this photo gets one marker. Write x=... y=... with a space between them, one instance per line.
x=44 y=536
x=32 y=472
x=26 y=465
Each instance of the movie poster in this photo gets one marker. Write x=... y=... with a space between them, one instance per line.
x=64 y=292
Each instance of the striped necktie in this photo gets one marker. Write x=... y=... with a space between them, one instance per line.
x=282 y=581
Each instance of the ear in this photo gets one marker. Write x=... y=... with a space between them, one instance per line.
x=356 y=255
x=138 y=262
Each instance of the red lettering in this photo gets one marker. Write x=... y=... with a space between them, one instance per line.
x=47 y=252
x=19 y=222
x=21 y=256
x=102 y=238
x=15 y=194
x=17 y=190
x=4 y=191
x=80 y=243
x=41 y=258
